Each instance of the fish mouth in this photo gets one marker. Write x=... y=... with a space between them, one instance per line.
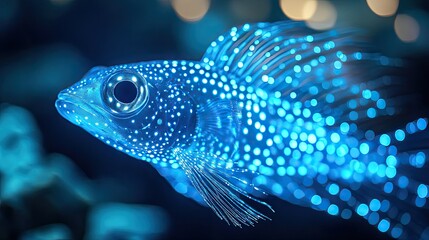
x=77 y=110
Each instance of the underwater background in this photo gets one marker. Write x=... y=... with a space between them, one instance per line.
x=58 y=182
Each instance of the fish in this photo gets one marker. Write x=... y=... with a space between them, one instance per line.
x=271 y=109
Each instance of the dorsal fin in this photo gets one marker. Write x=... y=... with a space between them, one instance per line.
x=263 y=53
x=291 y=61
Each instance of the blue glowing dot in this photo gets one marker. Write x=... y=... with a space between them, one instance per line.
x=374 y=205
x=372 y=167
x=385 y=140
x=388 y=187
x=383 y=225
x=385 y=205
x=364 y=148
x=369 y=135
x=335 y=137
x=403 y=182
x=366 y=94
x=313 y=90
x=298 y=193
x=422 y=191
x=353 y=115
x=352 y=104
x=390 y=172
x=333 y=209
x=337 y=64
x=277 y=188
x=346 y=174
x=391 y=161
x=406 y=219
x=371 y=113
x=281 y=171
x=345 y=195
x=396 y=232
x=420 y=159
x=346 y=214
x=400 y=135
x=381 y=104
x=344 y=127
x=290 y=171
x=421 y=124
x=373 y=218
x=297 y=68
x=358 y=55
x=330 y=98
x=362 y=209
x=302 y=171
x=316 y=200
x=330 y=121
x=333 y=189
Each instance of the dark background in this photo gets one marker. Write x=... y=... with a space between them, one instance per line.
x=46 y=46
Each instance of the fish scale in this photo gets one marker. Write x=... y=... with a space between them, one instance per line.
x=271 y=109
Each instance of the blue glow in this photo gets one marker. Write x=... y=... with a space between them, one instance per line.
x=381 y=104
x=371 y=113
x=384 y=225
x=422 y=191
x=333 y=189
x=364 y=148
x=403 y=182
x=345 y=194
x=330 y=121
x=333 y=209
x=346 y=214
x=406 y=219
x=421 y=124
x=391 y=161
x=396 y=232
x=362 y=209
x=373 y=218
x=316 y=200
x=400 y=135
x=385 y=140
x=374 y=205
x=388 y=187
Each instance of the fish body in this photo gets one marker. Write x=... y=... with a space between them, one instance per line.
x=272 y=108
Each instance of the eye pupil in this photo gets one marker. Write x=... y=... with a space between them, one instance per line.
x=125 y=91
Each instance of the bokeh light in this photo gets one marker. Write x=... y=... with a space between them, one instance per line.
x=298 y=9
x=191 y=10
x=251 y=10
x=324 y=17
x=383 y=8
x=406 y=28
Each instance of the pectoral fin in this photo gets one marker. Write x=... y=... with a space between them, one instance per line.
x=216 y=181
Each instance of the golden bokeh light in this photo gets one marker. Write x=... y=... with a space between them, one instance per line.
x=298 y=9
x=191 y=10
x=406 y=28
x=324 y=17
x=383 y=8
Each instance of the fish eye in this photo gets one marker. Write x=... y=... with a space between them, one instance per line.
x=124 y=93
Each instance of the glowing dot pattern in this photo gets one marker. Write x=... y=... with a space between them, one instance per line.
x=283 y=107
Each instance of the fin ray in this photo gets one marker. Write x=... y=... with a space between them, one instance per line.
x=210 y=176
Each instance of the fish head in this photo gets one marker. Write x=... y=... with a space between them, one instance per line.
x=114 y=104
x=134 y=108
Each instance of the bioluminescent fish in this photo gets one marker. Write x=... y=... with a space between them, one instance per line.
x=272 y=108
